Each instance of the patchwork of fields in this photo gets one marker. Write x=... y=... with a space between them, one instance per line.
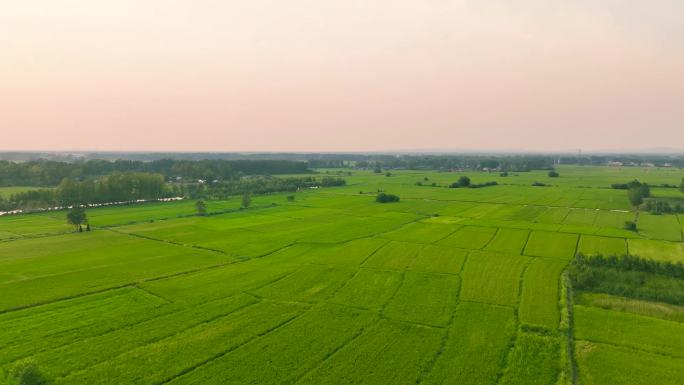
x=447 y=286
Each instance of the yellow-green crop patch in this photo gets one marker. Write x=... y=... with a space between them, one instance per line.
x=492 y=278
x=658 y=250
x=601 y=364
x=469 y=237
x=553 y=245
x=424 y=298
x=539 y=304
x=595 y=245
x=629 y=330
x=509 y=241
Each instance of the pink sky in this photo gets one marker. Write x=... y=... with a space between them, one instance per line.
x=352 y=75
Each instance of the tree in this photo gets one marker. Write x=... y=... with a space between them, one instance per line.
x=77 y=216
x=635 y=196
x=681 y=186
x=201 y=208
x=290 y=198
x=463 y=181
x=246 y=200
x=553 y=174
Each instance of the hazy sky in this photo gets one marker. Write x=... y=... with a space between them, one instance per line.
x=343 y=75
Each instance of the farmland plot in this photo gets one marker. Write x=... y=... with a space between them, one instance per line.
x=439 y=259
x=595 y=245
x=657 y=250
x=510 y=241
x=469 y=237
x=476 y=347
x=286 y=353
x=539 y=302
x=388 y=353
x=492 y=278
x=370 y=289
x=548 y=244
x=604 y=364
x=535 y=359
x=425 y=298
x=165 y=359
x=394 y=256
x=629 y=330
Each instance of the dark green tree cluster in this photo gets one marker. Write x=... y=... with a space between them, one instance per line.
x=484 y=184
x=463 y=181
x=658 y=207
x=553 y=174
x=637 y=191
x=630 y=225
x=629 y=276
x=50 y=173
x=386 y=198
x=117 y=187
x=253 y=185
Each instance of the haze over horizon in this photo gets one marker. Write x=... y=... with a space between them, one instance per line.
x=306 y=75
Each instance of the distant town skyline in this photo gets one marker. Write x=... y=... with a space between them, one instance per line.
x=337 y=76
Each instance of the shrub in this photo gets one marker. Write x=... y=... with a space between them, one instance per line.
x=485 y=184
x=553 y=174
x=386 y=198
x=630 y=225
x=27 y=373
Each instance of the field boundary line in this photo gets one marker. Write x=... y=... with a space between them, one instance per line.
x=373 y=253
x=328 y=356
x=516 y=314
x=527 y=240
x=144 y=290
x=445 y=338
x=681 y=229
x=156 y=340
x=568 y=314
x=458 y=227
x=187 y=245
x=132 y=284
x=391 y=298
x=633 y=349
x=231 y=349
x=490 y=239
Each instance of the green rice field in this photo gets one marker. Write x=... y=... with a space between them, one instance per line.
x=446 y=286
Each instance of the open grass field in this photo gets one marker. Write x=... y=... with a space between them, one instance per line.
x=447 y=286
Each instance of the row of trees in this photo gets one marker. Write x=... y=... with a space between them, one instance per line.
x=252 y=185
x=464 y=181
x=50 y=173
x=117 y=187
x=629 y=276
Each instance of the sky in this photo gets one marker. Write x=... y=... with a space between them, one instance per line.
x=341 y=75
